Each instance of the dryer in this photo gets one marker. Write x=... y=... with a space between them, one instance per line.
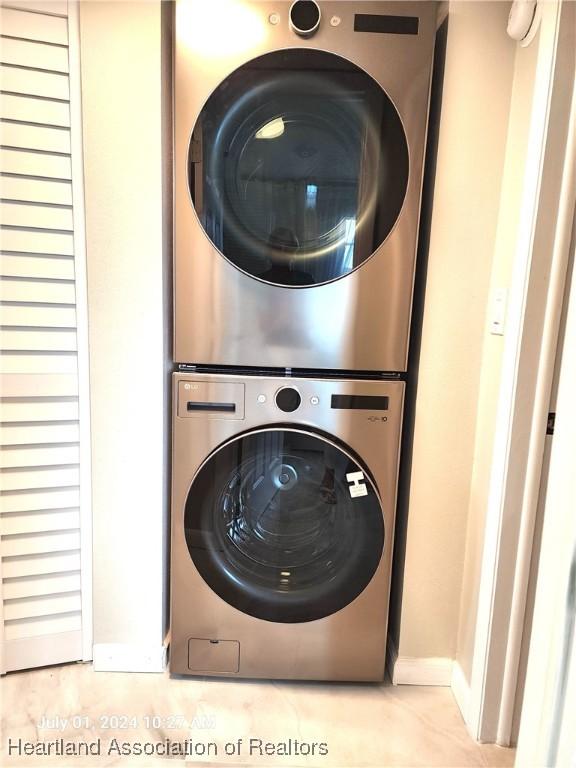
x=298 y=158
x=283 y=501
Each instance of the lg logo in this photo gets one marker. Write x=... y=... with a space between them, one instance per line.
x=357 y=486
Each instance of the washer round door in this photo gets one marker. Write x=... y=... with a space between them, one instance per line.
x=284 y=525
x=298 y=167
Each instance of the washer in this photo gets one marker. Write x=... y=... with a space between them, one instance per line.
x=299 y=142
x=282 y=525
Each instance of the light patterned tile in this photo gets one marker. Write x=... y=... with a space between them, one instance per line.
x=364 y=726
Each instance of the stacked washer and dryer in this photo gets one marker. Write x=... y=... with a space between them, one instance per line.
x=299 y=145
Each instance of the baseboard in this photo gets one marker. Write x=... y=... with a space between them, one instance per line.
x=124 y=657
x=414 y=671
x=42 y=650
x=461 y=690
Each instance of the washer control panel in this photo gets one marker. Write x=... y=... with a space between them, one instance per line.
x=312 y=399
x=262 y=400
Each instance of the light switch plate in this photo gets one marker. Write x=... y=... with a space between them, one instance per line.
x=498 y=313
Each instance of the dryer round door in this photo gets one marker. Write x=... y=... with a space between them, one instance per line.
x=298 y=167
x=284 y=525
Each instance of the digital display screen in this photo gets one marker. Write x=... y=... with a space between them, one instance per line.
x=388 y=25
x=360 y=402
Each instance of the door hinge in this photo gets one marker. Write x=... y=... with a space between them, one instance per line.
x=551 y=423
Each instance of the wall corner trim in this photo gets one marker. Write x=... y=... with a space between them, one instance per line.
x=461 y=690
x=126 y=657
x=422 y=671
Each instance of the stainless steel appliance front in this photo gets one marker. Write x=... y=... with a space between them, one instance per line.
x=283 y=500
x=298 y=169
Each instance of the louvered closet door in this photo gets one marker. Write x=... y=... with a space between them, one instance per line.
x=45 y=563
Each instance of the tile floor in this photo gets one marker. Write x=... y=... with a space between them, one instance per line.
x=362 y=726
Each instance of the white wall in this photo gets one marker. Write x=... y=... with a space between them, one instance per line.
x=493 y=346
x=471 y=152
x=122 y=113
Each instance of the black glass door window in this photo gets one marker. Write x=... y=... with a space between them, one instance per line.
x=284 y=525
x=298 y=167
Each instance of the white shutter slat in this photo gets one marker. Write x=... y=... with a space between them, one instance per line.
x=39 y=362
x=18 y=434
x=46 y=410
x=36 y=190
x=54 y=385
x=60 y=498
x=39 y=292
x=34 y=26
x=45 y=585
x=34 y=54
x=42 y=605
x=29 y=110
x=53 y=7
x=39 y=216
x=32 y=82
x=28 y=241
x=33 y=435
x=54 y=340
x=23 y=480
x=23 y=628
x=37 y=266
x=35 y=164
x=39 y=456
x=58 y=520
x=48 y=316
x=40 y=543
x=26 y=136
x=37 y=565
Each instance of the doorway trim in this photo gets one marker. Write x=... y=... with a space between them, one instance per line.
x=547 y=735
x=536 y=293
